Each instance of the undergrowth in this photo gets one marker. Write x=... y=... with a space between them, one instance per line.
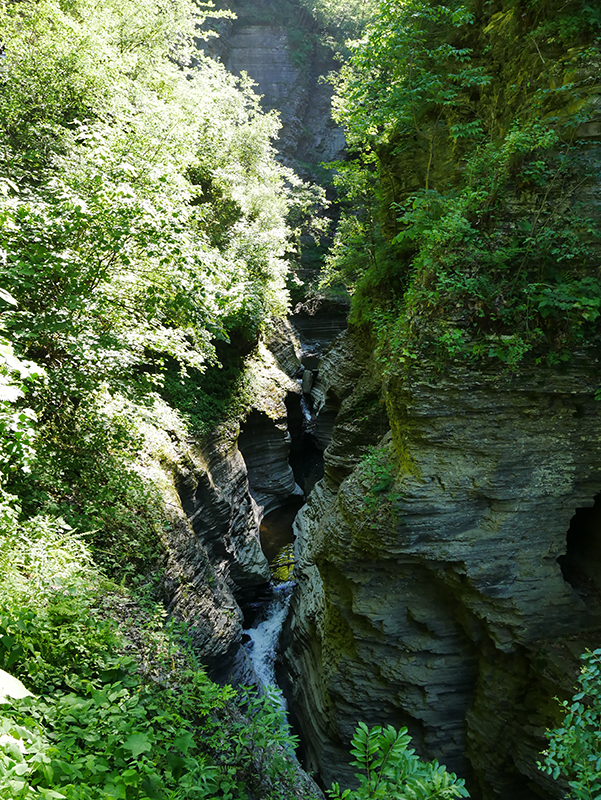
x=101 y=724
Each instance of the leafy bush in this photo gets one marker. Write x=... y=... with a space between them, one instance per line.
x=17 y=422
x=392 y=771
x=574 y=751
x=144 y=214
x=142 y=223
x=125 y=739
x=106 y=725
x=340 y=20
x=50 y=622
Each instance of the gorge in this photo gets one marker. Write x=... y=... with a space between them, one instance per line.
x=320 y=292
x=445 y=581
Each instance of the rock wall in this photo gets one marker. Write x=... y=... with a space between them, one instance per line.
x=288 y=76
x=429 y=588
x=212 y=553
x=264 y=440
x=216 y=501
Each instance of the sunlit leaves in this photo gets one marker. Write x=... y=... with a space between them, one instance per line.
x=116 y=254
x=404 y=76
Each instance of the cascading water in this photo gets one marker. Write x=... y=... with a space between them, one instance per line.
x=277 y=542
x=264 y=636
x=306 y=460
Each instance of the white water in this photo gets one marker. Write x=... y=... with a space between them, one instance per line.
x=265 y=635
x=307 y=413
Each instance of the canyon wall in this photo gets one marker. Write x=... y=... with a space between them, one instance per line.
x=276 y=48
x=216 y=499
x=438 y=587
x=219 y=488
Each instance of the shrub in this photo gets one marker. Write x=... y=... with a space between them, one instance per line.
x=574 y=751
x=392 y=771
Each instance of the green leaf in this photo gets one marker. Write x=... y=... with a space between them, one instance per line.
x=184 y=742
x=138 y=743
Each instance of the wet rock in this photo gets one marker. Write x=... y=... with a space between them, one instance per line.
x=307 y=383
x=216 y=500
x=264 y=440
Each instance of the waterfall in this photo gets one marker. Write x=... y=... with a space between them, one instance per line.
x=265 y=634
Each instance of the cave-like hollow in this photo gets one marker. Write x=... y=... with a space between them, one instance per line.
x=581 y=564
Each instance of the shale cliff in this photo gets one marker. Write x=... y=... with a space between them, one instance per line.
x=275 y=45
x=447 y=576
x=219 y=489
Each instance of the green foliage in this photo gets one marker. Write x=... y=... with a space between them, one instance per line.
x=519 y=272
x=111 y=725
x=125 y=739
x=142 y=222
x=574 y=751
x=410 y=75
x=50 y=626
x=263 y=737
x=117 y=740
x=86 y=474
x=378 y=474
x=144 y=213
x=340 y=20
x=392 y=771
x=480 y=244
x=354 y=249
x=17 y=422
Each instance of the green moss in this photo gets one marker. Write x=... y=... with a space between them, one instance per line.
x=402 y=427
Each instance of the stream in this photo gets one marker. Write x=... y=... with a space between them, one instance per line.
x=265 y=634
x=277 y=542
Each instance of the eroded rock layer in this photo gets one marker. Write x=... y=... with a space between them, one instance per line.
x=219 y=489
x=429 y=588
x=282 y=58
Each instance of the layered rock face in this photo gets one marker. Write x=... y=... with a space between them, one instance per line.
x=264 y=440
x=221 y=488
x=265 y=445
x=212 y=552
x=429 y=588
x=287 y=77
